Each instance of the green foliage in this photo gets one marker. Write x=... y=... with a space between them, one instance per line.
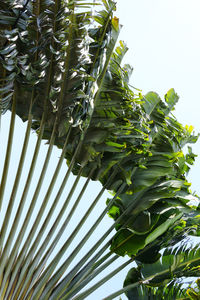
x=158 y=193
x=62 y=71
x=194 y=292
x=164 y=279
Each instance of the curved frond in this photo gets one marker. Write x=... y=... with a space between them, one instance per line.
x=62 y=75
x=164 y=279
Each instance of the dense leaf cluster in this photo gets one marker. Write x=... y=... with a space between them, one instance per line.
x=163 y=279
x=60 y=66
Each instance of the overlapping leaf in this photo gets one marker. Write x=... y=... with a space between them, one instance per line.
x=158 y=193
x=58 y=63
x=164 y=278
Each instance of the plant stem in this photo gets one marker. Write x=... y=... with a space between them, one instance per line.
x=83 y=295
x=29 y=239
x=34 y=260
x=3 y=258
x=8 y=153
x=17 y=180
x=123 y=290
x=76 y=287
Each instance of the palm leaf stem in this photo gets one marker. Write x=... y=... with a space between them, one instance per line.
x=8 y=153
x=17 y=180
x=88 y=278
x=69 y=277
x=31 y=171
x=55 y=278
x=56 y=200
x=72 y=273
x=36 y=193
x=37 y=7
x=123 y=290
x=30 y=255
x=92 y=261
x=39 y=215
x=79 y=277
x=63 y=183
x=81 y=243
x=50 y=188
x=53 y=264
x=3 y=258
x=60 y=190
x=83 y=295
x=72 y=236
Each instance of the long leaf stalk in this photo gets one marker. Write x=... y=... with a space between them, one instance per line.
x=66 y=280
x=123 y=290
x=31 y=171
x=71 y=287
x=47 y=292
x=32 y=268
x=30 y=255
x=68 y=261
x=57 y=5
x=52 y=266
x=23 y=228
x=8 y=153
x=69 y=277
x=72 y=236
x=82 y=275
x=83 y=295
x=44 y=203
x=65 y=73
x=88 y=278
x=17 y=180
x=36 y=193
x=39 y=141
x=6 y=250
x=104 y=235
x=79 y=226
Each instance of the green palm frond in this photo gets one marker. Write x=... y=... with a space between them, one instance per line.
x=60 y=71
x=62 y=75
x=165 y=278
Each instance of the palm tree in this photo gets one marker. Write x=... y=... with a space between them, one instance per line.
x=62 y=74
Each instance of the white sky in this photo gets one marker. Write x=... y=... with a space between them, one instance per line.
x=163 y=37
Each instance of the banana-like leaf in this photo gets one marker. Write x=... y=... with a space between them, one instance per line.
x=163 y=278
x=153 y=198
x=61 y=72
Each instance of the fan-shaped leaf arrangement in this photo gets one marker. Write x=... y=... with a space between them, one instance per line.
x=62 y=74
